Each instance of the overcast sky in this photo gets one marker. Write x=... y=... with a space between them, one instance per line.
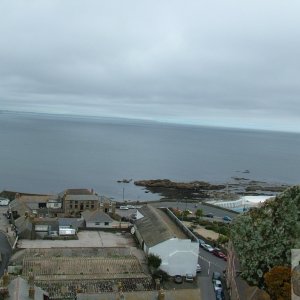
x=221 y=63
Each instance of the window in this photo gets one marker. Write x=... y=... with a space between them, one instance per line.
x=76 y=206
x=87 y=206
x=71 y=206
x=92 y=206
x=106 y=223
x=97 y=223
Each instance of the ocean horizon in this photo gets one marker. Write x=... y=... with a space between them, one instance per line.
x=47 y=153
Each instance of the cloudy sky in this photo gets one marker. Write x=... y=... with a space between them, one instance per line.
x=222 y=63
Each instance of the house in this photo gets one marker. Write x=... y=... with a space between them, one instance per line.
x=159 y=232
x=107 y=205
x=39 y=205
x=76 y=201
x=71 y=223
x=97 y=219
x=43 y=227
x=23 y=227
x=54 y=203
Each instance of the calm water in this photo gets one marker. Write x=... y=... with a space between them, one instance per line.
x=46 y=154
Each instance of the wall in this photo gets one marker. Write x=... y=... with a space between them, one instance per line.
x=101 y=225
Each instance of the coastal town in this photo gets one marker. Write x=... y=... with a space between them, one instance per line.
x=79 y=245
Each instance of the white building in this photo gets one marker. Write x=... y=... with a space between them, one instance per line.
x=159 y=232
x=4 y=201
x=97 y=219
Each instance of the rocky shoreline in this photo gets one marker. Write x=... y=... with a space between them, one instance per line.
x=200 y=190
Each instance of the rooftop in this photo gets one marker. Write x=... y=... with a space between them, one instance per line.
x=101 y=270
x=82 y=197
x=156 y=226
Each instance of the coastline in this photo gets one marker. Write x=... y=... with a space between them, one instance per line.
x=202 y=190
x=193 y=191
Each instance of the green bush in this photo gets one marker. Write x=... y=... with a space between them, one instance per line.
x=154 y=261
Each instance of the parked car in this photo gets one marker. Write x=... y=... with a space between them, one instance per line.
x=220 y=295
x=216 y=276
x=209 y=215
x=198 y=269
x=226 y=218
x=208 y=248
x=217 y=252
x=189 y=278
x=217 y=285
x=178 y=279
x=124 y=207
x=201 y=243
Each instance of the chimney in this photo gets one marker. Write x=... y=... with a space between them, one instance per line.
x=161 y=294
x=31 y=292
x=5 y=279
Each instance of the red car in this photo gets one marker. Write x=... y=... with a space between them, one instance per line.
x=217 y=252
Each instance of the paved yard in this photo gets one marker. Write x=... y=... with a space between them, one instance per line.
x=85 y=239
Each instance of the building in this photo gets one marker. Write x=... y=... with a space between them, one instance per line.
x=75 y=201
x=97 y=219
x=159 y=232
x=107 y=205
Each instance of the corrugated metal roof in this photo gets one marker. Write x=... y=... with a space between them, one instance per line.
x=152 y=227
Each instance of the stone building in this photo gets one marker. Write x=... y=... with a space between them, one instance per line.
x=75 y=201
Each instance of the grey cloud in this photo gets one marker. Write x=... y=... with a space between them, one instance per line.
x=182 y=62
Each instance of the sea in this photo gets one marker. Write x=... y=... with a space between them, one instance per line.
x=41 y=153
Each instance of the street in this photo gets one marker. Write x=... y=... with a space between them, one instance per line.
x=209 y=263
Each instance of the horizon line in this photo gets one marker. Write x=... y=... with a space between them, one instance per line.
x=147 y=120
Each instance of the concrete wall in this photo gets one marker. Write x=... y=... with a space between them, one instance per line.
x=179 y=256
x=181 y=225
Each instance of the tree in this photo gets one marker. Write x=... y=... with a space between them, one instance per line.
x=278 y=283
x=154 y=261
x=263 y=237
x=199 y=213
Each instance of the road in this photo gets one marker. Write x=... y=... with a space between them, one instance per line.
x=209 y=263
x=217 y=212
